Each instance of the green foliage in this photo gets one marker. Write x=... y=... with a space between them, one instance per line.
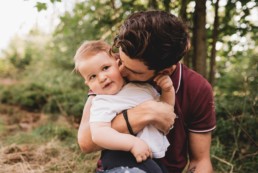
x=31 y=97
x=235 y=141
x=35 y=97
x=44 y=134
x=41 y=6
x=6 y=68
x=53 y=130
x=237 y=85
x=46 y=85
x=2 y=127
x=20 y=62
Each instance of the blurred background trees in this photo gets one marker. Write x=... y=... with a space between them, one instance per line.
x=224 y=50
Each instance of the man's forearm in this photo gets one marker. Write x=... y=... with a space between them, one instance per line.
x=137 y=117
x=199 y=153
x=159 y=114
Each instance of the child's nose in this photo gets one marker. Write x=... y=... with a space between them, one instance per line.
x=102 y=77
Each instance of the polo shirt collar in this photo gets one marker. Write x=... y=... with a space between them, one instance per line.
x=177 y=76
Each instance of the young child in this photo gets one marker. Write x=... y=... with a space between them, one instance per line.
x=113 y=95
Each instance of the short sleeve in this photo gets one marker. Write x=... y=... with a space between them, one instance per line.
x=101 y=110
x=202 y=110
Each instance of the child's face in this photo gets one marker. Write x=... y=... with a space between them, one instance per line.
x=101 y=74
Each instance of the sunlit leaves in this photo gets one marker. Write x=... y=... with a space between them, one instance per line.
x=41 y=6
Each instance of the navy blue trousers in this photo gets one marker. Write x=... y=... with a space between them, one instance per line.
x=112 y=159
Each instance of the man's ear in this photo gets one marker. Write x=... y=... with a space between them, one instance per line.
x=118 y=61
x=168 y=71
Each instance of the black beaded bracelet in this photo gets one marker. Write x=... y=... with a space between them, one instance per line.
x=127 y=123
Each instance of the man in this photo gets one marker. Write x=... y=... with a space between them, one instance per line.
x=151 y=43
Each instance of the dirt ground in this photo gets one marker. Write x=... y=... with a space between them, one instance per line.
x=21 y=155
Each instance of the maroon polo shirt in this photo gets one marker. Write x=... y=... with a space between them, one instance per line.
x=194 y=107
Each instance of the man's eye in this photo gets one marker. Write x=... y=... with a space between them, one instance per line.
x=105 y=68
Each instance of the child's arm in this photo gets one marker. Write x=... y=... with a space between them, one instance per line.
x=167 y=89
x=106 y=137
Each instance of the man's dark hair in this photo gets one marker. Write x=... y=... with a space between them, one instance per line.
x=157 y=38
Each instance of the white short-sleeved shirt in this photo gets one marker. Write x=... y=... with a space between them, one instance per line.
x=105 y=107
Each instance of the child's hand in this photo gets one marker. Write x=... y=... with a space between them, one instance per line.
x=164 y=82
x=140 y=150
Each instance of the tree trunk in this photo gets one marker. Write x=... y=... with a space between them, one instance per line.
x=183 y=15
x=153 y=4
x=166 y=5
x=199 y=38
x=214 y=41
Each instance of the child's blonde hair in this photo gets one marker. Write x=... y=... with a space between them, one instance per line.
x=88 y=49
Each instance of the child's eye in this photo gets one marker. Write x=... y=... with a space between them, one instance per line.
x=105 y=68
x=92 y=77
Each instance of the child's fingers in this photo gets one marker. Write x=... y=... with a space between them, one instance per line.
x=144 y=156
x=158 y=79
x=164 y=82
x=138 y=159
x=141 y=158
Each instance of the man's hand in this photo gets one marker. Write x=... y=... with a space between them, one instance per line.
x=140 y=150
x=159 y=114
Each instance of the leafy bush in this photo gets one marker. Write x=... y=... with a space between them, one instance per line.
x=235 y=143
x=35 y=97
x=52 y=130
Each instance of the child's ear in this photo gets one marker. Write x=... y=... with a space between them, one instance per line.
x=116 y=56
x=118 y=61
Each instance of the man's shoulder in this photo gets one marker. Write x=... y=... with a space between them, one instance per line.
x=191 y=74
x=194 y=79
